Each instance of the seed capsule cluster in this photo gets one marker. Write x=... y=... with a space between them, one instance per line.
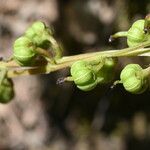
x=86 y=75
x=39 y=34
x=36 y=36
x=135 y=79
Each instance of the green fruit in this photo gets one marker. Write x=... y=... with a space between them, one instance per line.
x=6 y=91
x=133 y=79
x=83 y=76
x=24 y=51
x=78 y=65
x=136 y=34
x=106 y=73
x=86 y=75
x=39 y=34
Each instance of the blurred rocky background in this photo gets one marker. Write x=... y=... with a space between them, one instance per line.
x=46 y=116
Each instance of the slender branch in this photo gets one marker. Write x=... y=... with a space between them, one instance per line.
x=145 y=54
x=46 y=54
x=139 y=52
x=54 y=67
x=108 y=53
x=8 y=64
x=146 y=72
x=14 y=70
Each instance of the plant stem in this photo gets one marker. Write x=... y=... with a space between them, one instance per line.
x=138 y=52
x=3 y=73
x=56 y=47
x=67 y=61
x=54 y=67
x=109 y=53
x=146 y=71
x=46 y=54
x=118 y=35
x=145 y=54
x=9 y=64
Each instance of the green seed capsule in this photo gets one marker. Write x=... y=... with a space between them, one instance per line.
x=6 y=91
x=110 y=63
x=133 y=79
x=83 y=76
x=42 y=37
x=77 y=66
x=136 y=34
x=86 y=75
x=39 y=34
x=24 y=51
x=106 y=73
